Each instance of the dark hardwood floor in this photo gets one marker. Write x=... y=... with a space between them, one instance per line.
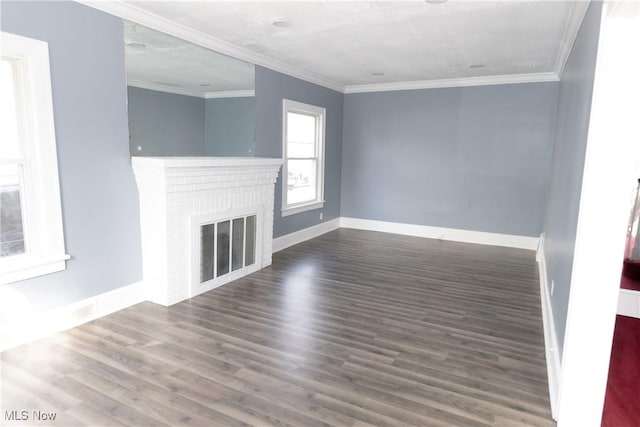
x=353 y=328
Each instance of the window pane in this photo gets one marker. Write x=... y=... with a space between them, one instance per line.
x=238 y=241
x=301 y=135
x=9 y=148
x=11 y=228
x=224 y=229
x=301 y=181
x=207 y=239
x=250 y=247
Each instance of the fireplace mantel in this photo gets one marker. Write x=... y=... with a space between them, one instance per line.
x=204 y=162
x=174 y=191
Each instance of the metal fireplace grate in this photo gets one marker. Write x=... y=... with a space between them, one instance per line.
x=227 y=246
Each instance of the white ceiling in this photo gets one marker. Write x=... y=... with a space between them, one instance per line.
x=155 y=60
x=346 y=45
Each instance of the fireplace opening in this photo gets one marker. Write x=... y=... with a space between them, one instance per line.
x=227 y=246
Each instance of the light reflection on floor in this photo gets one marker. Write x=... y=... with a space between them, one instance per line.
x=299 y=301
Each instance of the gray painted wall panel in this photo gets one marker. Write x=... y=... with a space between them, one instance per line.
x=561 y=219
x=475 y=158
x=271 y=88
x=99 y=195
x=165 y=124
x=230 y=126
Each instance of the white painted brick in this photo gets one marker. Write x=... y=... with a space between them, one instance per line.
x=169 y=198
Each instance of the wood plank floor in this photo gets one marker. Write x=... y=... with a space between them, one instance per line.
x=353 y=328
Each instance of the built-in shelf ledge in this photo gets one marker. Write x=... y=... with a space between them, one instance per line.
x=203 y=162
x=178 y=192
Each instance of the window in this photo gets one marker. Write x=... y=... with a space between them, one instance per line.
x=31 y=239
x=303 y=152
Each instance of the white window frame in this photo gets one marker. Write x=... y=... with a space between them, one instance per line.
x=289 y=106
x=41 y=208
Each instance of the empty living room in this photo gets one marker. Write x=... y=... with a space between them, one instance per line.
x=317 y=213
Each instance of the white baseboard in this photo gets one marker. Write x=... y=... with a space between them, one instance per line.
x=550 y=338
x=24 y=326
x=629 y=303
x=283 y=242
x=452 y=234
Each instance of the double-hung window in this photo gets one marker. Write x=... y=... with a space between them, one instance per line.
x=303 y=152
x=31 y=236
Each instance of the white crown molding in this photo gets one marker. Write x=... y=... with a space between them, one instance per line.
x=576 y=16
x=179 y=91
x=130 y=12
x=231 y=94
x=162 y=88
x=449 y=83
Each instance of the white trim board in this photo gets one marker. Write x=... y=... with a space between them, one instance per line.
x=629 y=303
x=24 y=327
x=450 y=234
x=283 y=242
x=441 y=233
x=576 y=16
x=450 y=83
x=552 y=355
x=180 y=91
x=248 y=93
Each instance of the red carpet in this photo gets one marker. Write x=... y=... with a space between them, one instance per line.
x=627 y=283
x=622 y=401
x=630 y=275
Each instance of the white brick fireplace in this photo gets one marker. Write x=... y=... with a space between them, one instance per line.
x=184 y=202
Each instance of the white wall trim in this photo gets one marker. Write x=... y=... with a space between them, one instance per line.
x=576 y=16
x=451 y=234
x=19 y=325
x=449 y=83
x=231 y=94
x=163 y=88
x=283 y=242
x=181 y=91
x=629 y=303
x=552 y=355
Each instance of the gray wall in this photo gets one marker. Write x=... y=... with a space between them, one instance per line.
x=473 y=158
x=230 y=126
x=165 y=124
x=561 y=219
x=271 y=88
x=99 y=195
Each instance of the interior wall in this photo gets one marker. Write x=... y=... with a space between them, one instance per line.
x=165 y=124
x=230 y=126
x=99 y=195
x=271 y=88
x=472 y=158
x=561 y=219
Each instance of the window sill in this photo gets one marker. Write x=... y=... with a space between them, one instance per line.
x=302 y=208
x=28 y=268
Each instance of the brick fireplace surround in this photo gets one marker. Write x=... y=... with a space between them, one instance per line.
x=175 y=190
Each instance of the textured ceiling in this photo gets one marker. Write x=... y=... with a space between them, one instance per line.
x=360 y=44
x=158 y=61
